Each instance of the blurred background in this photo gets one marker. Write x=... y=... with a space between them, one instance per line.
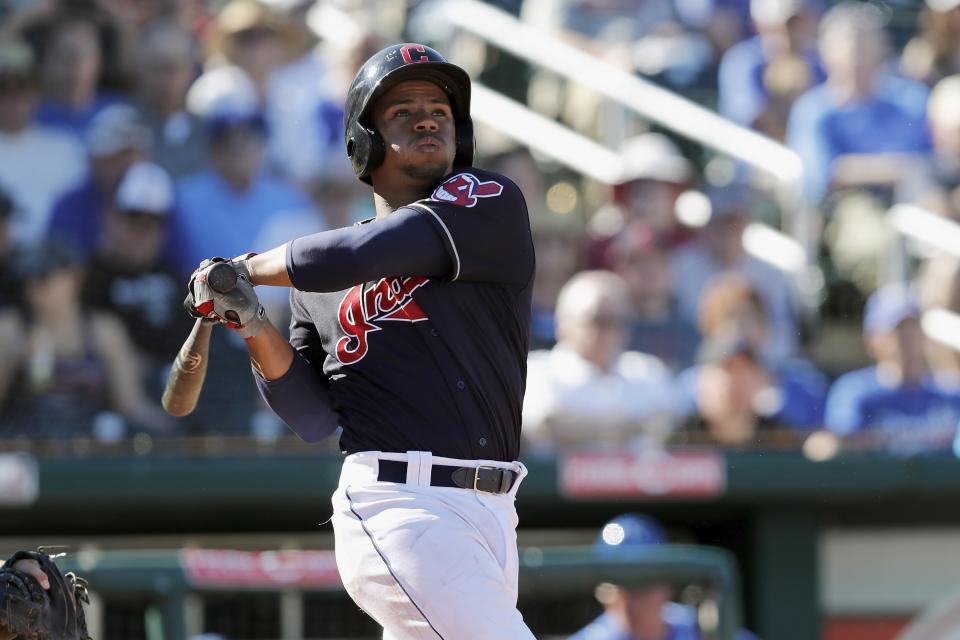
x=745 y=309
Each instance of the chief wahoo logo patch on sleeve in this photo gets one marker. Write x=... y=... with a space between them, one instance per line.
x=464 y=188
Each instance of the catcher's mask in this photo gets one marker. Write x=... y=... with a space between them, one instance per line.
x=385 y=69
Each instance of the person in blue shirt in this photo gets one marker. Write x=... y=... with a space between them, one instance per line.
x=835 y=126
x=896 y=401
x=785 y=40
x=116 y=140
x=640 y=613
x=235 y=204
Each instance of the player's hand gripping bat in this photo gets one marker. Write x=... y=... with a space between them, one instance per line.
x=190 y=366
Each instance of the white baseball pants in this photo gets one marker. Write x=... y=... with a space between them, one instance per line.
x=428 y=562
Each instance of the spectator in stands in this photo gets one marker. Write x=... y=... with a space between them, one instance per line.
x=248 y=35
x=37 y=163
x=934 y=52
x=740 y=388
x=70 y=70
x=235 y=204
x=935 y=183
x=116 y=140
x=167 y=65
x=760 y=77
x=126 y=277
x=719 y=249
x=834 y=125
x=304 y=106
x=72 y=366
x=732 y=395
x=639 y=611
x=657 y=326
x=587 y=389
x=895 y=402
x=654 y=176
x=649 y=37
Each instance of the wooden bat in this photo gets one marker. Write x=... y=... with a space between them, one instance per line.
x=190 y=366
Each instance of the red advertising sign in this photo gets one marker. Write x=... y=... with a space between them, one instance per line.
x=607 y=474
x=260 y=569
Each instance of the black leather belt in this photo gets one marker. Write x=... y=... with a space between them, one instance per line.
x=488 y=479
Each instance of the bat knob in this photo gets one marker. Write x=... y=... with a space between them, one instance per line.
x=222 y=277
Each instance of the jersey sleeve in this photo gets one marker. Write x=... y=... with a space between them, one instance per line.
x=402 y=244
x=483 y=222
x=300 y=396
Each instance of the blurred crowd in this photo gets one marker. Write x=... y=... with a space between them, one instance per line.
x=138 y=137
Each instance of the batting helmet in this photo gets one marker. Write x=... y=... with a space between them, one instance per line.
x=630 y=530
x=386 y=68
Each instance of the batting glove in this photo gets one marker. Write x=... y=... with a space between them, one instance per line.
x=239 y=308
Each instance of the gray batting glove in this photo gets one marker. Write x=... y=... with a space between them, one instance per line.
x=240 y=264
x=242 y=309
x=239 y=309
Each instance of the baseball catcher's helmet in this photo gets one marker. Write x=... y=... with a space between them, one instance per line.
x=386 y=68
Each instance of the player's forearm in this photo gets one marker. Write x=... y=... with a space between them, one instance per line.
x=270 y=353
x=270 y=268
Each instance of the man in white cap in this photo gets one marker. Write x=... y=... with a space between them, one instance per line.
x=126 y=275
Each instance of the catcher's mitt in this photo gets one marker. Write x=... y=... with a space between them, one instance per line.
x=30 y=612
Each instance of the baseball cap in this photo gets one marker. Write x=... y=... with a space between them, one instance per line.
x=145 y=188
x=117 y=128
x=653 y=156
x=238 y=16
x=630 y=530
x=887 y=307
x=774 y=12
x=225 y=97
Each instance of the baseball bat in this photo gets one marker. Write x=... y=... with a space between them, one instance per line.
x=190 y=366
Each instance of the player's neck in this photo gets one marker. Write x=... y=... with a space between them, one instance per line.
x=389 y=201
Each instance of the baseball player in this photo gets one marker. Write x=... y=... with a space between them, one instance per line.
x=643 y=612
x=410 y=332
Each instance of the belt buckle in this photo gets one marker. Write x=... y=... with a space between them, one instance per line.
x=476 y=476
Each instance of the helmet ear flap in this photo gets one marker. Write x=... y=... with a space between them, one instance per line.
x=377 y=150
x=365 y=149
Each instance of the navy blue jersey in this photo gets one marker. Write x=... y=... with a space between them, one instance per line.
x=426 y=348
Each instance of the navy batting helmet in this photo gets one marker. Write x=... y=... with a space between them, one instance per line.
x=630 y=530
x=386 y=68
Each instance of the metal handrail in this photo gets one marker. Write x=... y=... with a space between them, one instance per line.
x=671 y=111
x=928 y=231
x=656 y=104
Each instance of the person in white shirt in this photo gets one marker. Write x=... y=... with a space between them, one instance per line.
x=37 y=164
x=587 y=390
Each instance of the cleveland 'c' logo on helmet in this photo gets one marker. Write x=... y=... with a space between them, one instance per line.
x=409 y=53
x=361 y=311
x=463 y=189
